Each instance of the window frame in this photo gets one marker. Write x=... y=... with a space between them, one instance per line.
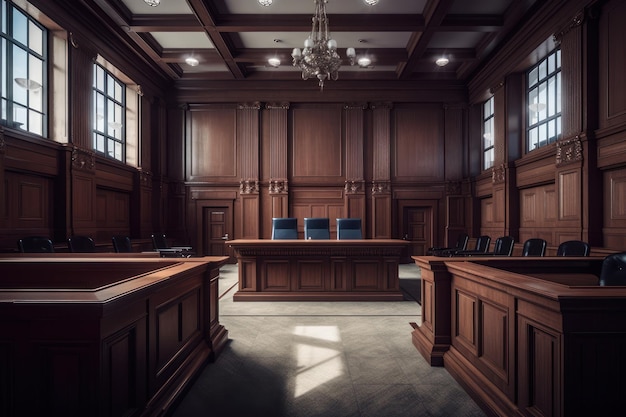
x=34 y=102
x=114 y=110
x=488 y=119
x=546 y=127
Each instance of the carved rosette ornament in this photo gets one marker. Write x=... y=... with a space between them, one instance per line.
x=453 y=188
x=498 y=174
x=249 y=186
x=569 y=151
x=278 y=186
x=83 y=159
x=381 y=187
x=354 y=186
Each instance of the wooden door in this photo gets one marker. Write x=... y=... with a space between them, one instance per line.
x=418 y=229
x=217 y=229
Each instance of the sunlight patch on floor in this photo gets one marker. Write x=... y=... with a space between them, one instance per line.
x=318 y=356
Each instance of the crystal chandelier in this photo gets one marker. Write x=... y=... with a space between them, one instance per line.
x=319 y=57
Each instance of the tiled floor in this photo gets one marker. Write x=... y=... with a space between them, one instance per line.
x=331 y=359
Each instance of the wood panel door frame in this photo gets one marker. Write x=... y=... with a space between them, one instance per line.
x=201 y=207
x=431 y=207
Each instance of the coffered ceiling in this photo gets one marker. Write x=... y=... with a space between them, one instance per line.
x=233 y=39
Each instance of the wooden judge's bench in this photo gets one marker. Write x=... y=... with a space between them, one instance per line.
x=104 y=336
x=318 y=270
x=526 y=336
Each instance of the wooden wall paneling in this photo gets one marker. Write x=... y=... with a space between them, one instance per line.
x=317 y=202
x=614 y=203
x=612 y=64
x=317 y=145
x=202 y=199
x=456 y=208
x=381 y=171
x=354 y=189
x=248 y=209
x=274 y=165
x=455 y=134
x=418 y=143
x=212 y=147
x=141 y=209
x=28 y=205
x=569 y=189
x=81 y=60
x=570 y=39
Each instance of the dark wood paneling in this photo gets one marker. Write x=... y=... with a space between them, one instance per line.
x=419 y=151
x=317 y=145
x=213 y=145
x=112 y=213
x=613 y=65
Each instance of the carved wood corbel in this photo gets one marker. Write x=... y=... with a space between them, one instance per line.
x=278 y=186
x=574 y=22
x=569 y=151
x=83 y=159
x=249 y=186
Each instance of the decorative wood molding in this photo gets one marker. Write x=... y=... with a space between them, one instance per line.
x=83 y=159
x=139 y=90
x=356 y=186
x=278 y=186
x=575 y=22
x=277 y=106
x=381 y=105
x=498 y=174
x=249 y=106
x=355 y=106
x=249 y=186
x=381 y=187
x=569 y=151
x=3 y=143
x=73 y=41
x=454 y=188
x=496 y=87
x=145 y=179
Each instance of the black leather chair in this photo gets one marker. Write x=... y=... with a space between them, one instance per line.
x=159 y=241
x=534 y=247
x=316 y=228
x=461 y=244
x=122 y=244
x=35 y=244
x=349 y=229
x=573 y=248
x=81 y=244
x=481 y=247
x=284 y=228
x=503 y=246
x=613 y=270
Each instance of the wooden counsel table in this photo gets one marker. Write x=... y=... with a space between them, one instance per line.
x=104 y=336
x=526 y=336
x=318 y=270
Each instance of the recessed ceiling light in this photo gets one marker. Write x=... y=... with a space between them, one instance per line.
x=442 y=62
x=192 y=61
x=153 y=3
x=274 y=62
x=371 y=2
x=265 y=2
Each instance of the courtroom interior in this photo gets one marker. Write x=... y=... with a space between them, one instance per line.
x=147 y=144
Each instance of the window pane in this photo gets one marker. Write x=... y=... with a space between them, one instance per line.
x=532 y=77
x=35 y=38
x=558 y=93
x=533 y=139
x=35 y=122
x=20 y=116
x=20 y=27
x=4 y=17
x=551 y=98
x=543 y=70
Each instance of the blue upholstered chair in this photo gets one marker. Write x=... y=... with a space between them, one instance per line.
x=316 y=228
x=613 y=270
x=284 y=228
x=349 y=229
x=482 y=246
x=461 y=244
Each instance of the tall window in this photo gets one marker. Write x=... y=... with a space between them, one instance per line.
x=109 y=95
x=22 y=65
x=544 y=102
x=488 y=133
